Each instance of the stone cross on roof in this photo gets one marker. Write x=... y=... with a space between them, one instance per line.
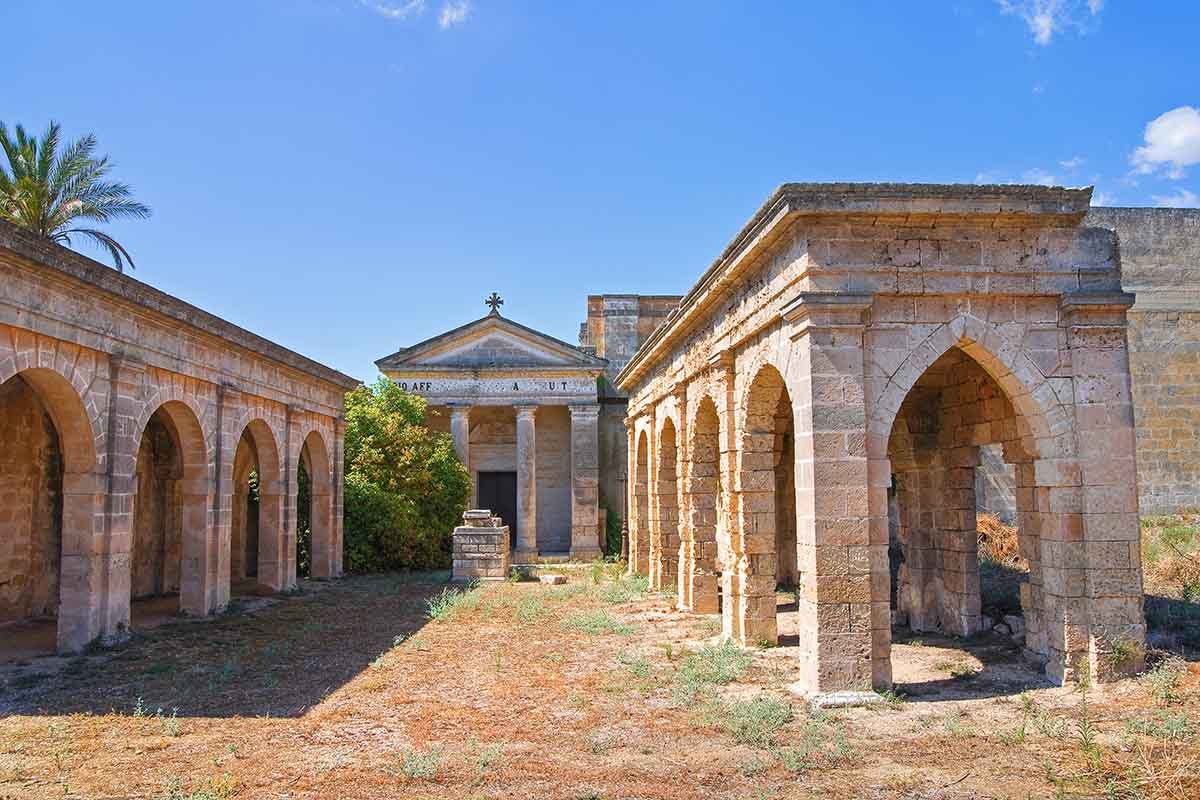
x=495 y=302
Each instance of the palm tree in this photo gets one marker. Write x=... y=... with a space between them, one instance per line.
x=51 y=192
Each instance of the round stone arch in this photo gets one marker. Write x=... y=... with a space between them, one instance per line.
x=272 y=490
x=1048 y=486
x=314 y=452
x=82 y=570
x=639 y=489
x=701 y=550
x=664 y=538
x=181 y=416
x=765 y=485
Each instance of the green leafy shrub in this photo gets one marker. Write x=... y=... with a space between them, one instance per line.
x=405 y=487
x=612 y=534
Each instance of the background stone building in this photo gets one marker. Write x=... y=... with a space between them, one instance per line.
x=524 y=413
x=1160 y=264
x=615 y=328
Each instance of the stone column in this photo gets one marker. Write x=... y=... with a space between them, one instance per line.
x=684 y=563
x=630 y=499
x=460 y=430
x=339 y=471
x=721 y=372
x=842 y=524
x=526 y=484
x=585 y=482
x=291 y=485
x=229 y=408
x=125 y=406
x=1109 y=553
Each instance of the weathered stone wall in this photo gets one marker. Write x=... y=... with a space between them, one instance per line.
x=1160 y=260
x=30 y=494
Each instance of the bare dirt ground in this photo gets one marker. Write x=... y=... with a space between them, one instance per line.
x=589 y=690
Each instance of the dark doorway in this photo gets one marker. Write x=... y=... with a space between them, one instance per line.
x=498 y=493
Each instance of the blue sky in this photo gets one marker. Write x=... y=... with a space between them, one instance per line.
x=348 y=176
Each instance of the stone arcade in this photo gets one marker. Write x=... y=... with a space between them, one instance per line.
x=130 y=423
x=522 y=408
x=849 y=354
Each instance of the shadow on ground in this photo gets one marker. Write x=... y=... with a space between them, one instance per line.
x=278 y=660
x=1173 y=625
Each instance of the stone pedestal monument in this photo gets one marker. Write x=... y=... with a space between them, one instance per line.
x=480 y=548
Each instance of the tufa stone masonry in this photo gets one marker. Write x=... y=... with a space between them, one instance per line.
x=843 y=363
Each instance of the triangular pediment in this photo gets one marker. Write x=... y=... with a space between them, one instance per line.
x=492 y=342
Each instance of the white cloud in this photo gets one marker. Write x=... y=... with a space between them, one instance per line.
x=1181 y=199
x=1037 y=176
x=1100 y=198
x=403 y=10
x=1072 y=163
x=1045 y=18
x=1040 y=177
x=454 y=12
x=1172 y=141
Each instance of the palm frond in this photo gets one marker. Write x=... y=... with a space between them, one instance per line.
x=119 y=254
x=47 y=151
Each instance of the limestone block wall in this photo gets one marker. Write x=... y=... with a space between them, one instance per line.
x=1160 y=259
x=615 y=327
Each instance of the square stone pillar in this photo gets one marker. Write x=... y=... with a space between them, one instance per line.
x=585 y=482
x=339 y=488
x=842 y=526
x=527 y=548
x=629 y=545
x=460 y=431
x=126 y=404
x=1109 y=552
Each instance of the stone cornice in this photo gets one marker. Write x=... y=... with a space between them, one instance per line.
x=53 y=260
x=900 y=203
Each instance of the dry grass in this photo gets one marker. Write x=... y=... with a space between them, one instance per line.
x=998 y=542
x=354 y=692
